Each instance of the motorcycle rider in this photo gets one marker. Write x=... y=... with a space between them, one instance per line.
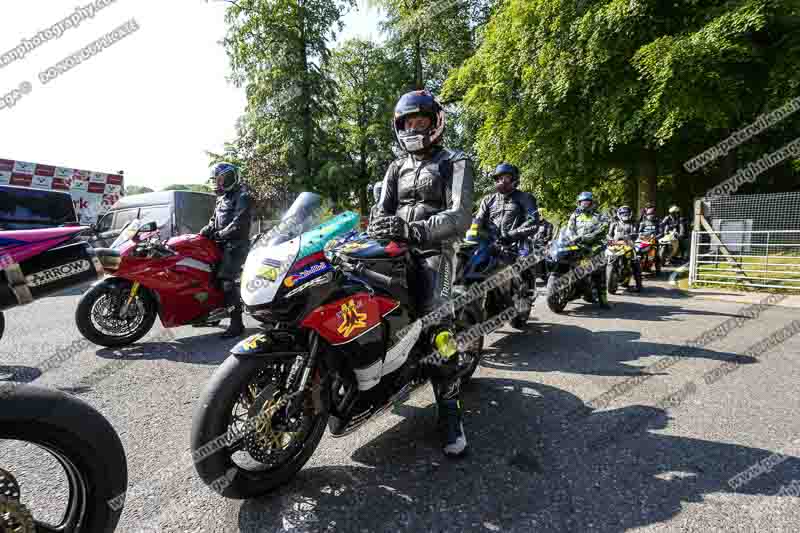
x=649 y=225
x=590 y=225
x=426 y=200
x=230 y=227
x=624 y=229
x=545 y=232
x=511 y=212
x=674 y=221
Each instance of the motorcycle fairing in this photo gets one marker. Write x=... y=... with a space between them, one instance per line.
x=24 y=244
x=262 y=279
x=347 y=319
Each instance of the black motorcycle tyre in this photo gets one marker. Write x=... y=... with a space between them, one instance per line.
x=212 y=419
x=612 y=282
x=66 y=424
x=83 y=316
x=555 y=302
x=468 y=318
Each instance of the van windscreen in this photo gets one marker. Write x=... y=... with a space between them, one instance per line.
x=19 y=205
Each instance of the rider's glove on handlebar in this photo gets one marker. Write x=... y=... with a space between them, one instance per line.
x=393 y=227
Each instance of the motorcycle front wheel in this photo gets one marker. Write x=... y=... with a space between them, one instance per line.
x=96 y=315
x=556 y=299
x=612 y=282
x=81 y=440
x=241 y=411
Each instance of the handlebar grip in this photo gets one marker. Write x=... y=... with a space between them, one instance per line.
x=376 y=278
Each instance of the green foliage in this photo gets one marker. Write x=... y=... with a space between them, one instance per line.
x=611 y=96
x=188 y=187
x=368 y=81
x=571 y=93
x=278 y=51
x=136 y=189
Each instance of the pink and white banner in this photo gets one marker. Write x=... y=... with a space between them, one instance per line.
x=93 y=193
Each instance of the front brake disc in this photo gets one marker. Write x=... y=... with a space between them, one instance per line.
x=14 y=516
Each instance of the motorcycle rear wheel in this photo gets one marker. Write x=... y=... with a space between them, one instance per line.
x=82 y=440
x=467 y=319
x=213 y=418
x=87 y=327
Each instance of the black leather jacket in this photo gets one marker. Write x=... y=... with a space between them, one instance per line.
x=514 y=215
x=545 y=232
x=421 y=193
x=669 y=223
x=623 y=231
x=231 y=218
x=650 y=226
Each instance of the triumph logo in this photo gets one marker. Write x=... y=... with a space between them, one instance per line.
x=58 y=273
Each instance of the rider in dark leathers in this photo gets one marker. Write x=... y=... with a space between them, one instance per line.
x=511 y=212
x=624 y=229
x=230 y=227
x=650 y=225
x=427 y=201
x=545 y=232
x=674 y=221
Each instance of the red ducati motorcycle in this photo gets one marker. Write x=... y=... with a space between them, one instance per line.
x=172 y=279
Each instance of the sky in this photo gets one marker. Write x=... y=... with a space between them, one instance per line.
x=151 y=104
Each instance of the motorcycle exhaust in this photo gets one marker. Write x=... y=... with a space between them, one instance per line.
x=48 y=273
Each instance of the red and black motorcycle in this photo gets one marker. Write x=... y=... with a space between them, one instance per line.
x=173 y=280
x=335 y=353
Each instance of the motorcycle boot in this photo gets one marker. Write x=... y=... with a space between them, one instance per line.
x=450 y=416
x=236 y=326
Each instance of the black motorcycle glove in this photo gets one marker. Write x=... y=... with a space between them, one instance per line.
x=208 y=232
x=393 y=227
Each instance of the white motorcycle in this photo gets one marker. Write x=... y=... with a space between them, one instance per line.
x=668 y=247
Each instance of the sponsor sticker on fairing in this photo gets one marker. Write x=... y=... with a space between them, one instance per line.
x=313 y=270
x=57 y=273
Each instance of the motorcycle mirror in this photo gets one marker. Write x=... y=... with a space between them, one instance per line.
x=150 y=226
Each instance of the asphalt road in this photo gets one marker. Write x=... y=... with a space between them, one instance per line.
x=541 y=458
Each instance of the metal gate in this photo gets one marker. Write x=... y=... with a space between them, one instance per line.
x=747 y=241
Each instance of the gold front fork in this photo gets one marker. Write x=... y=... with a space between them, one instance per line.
x=124 y=311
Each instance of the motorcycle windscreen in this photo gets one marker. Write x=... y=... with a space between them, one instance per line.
x=265 y=270
x=304 y=214
x=127 y=233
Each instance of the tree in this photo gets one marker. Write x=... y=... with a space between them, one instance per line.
x=278 y=49
x=602 y=92
x=367 y=85
x=136 y=189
